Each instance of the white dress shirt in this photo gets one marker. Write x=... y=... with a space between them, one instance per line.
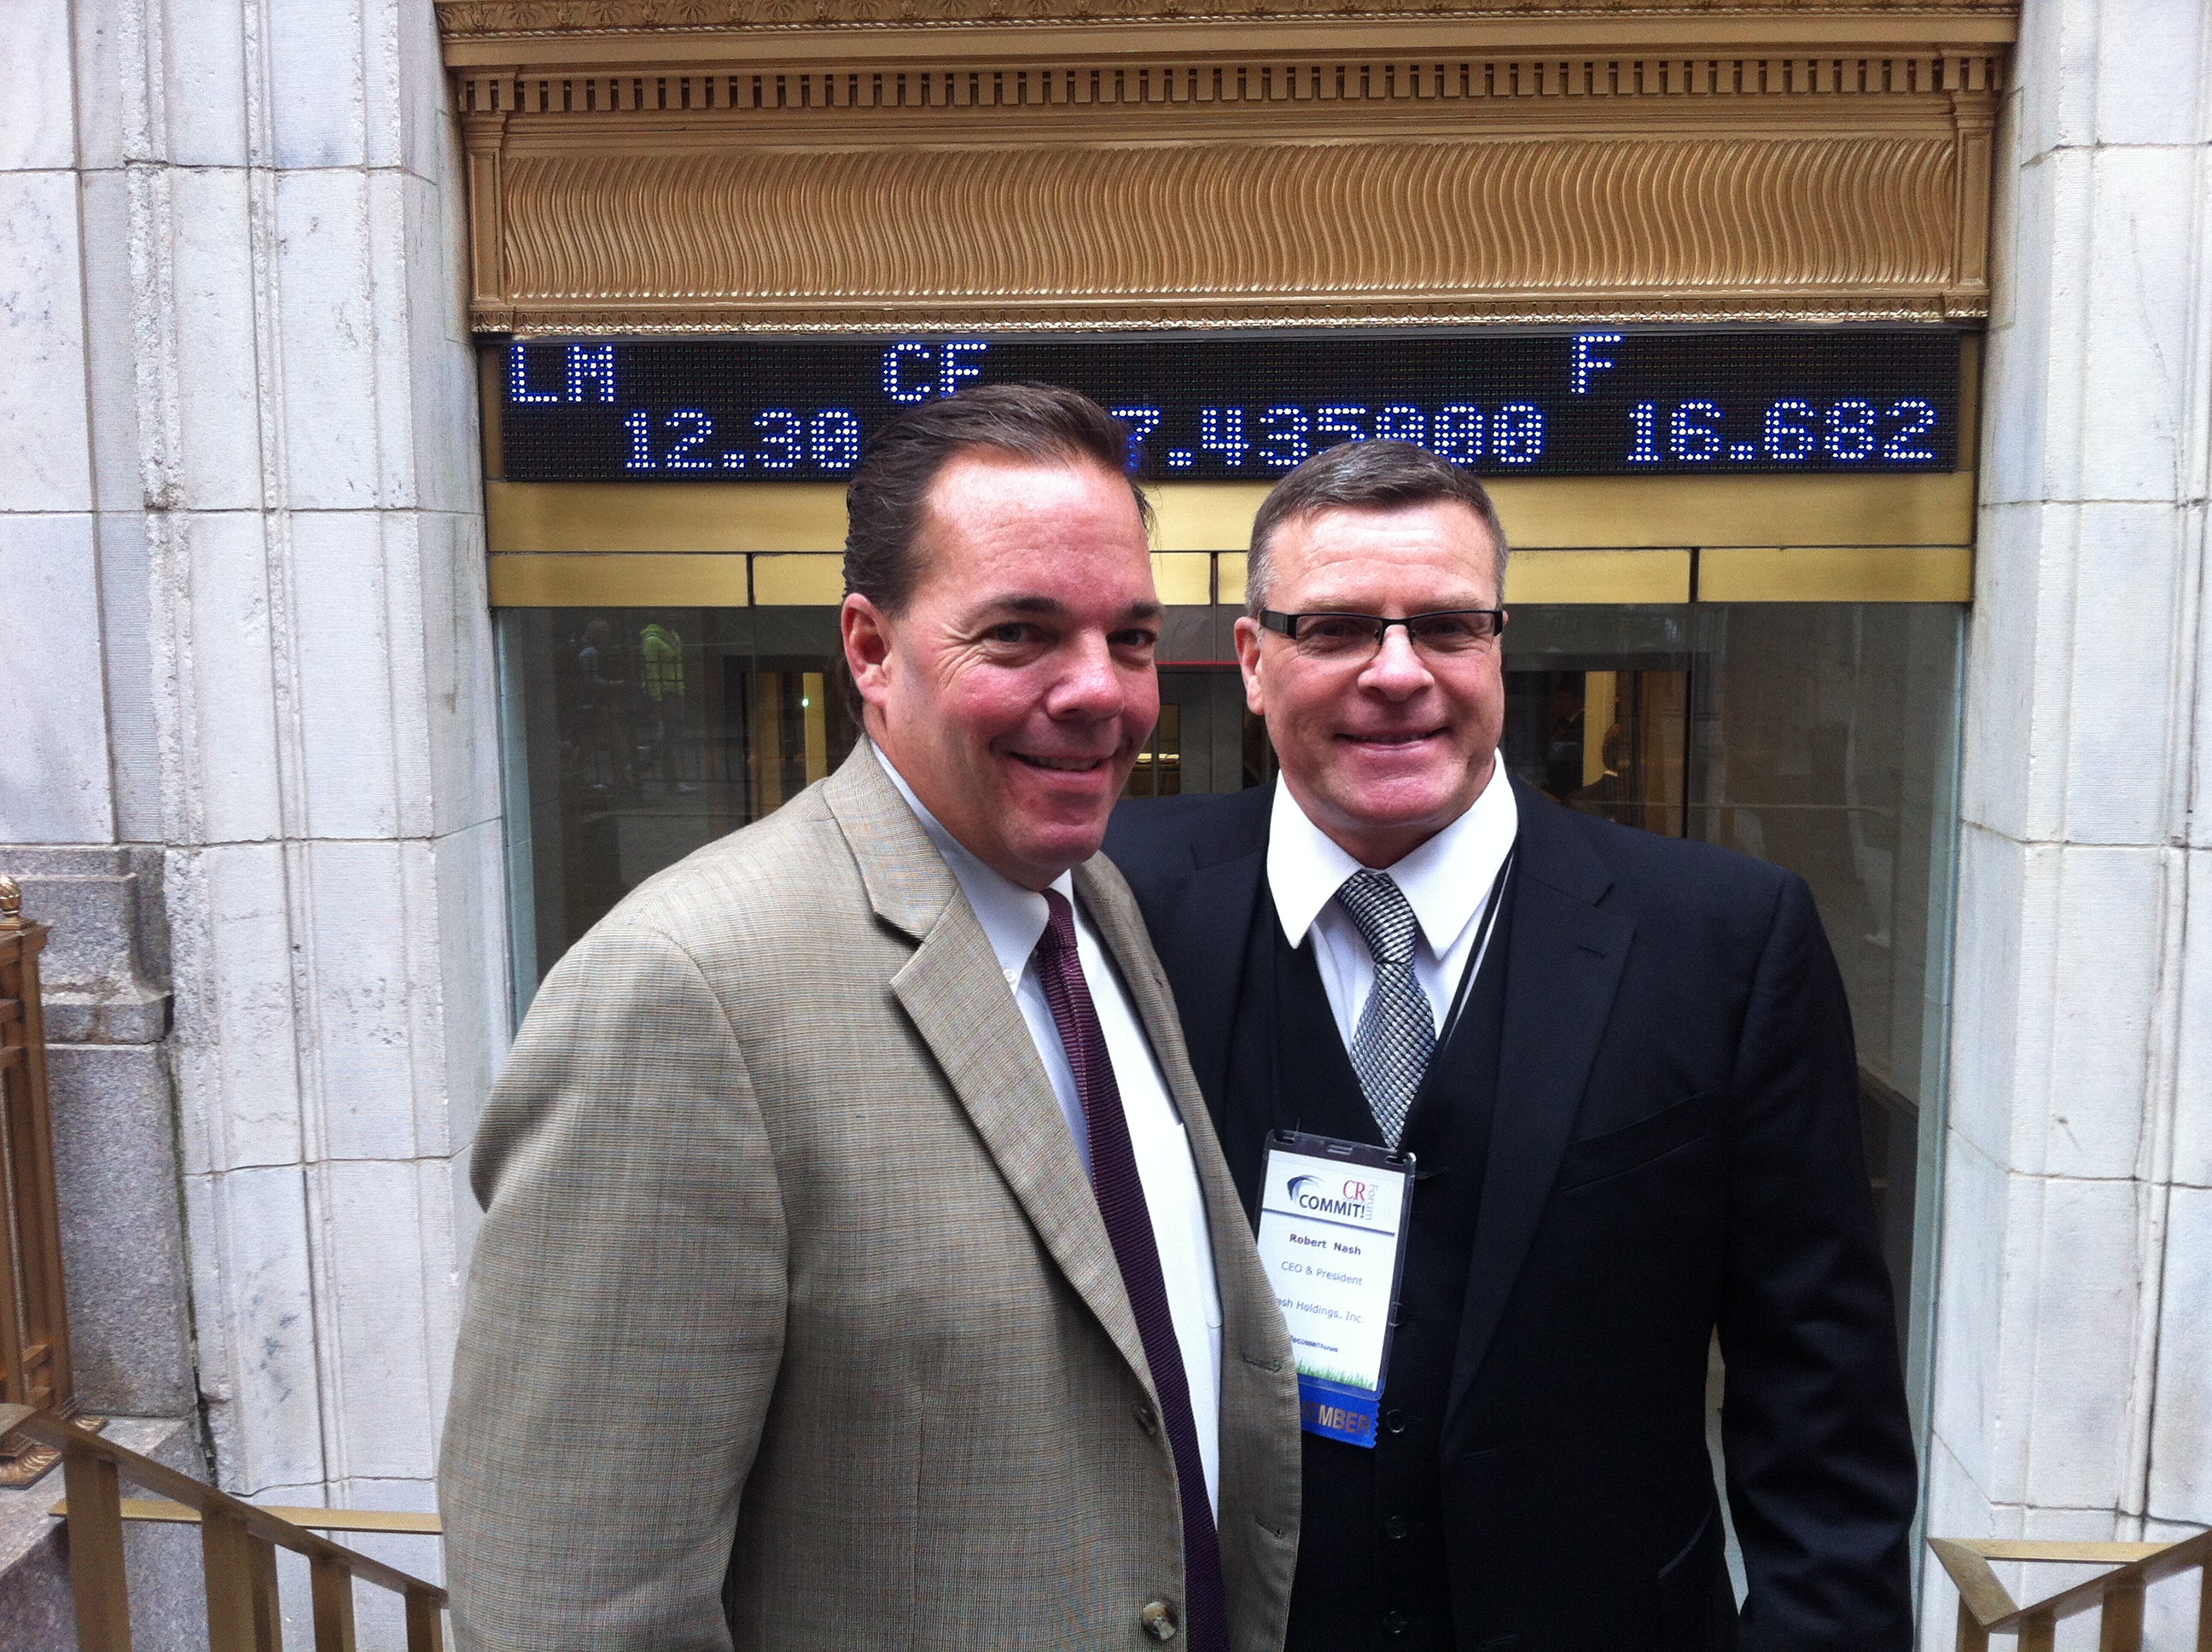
x=1447 y=881
x=1014 y=918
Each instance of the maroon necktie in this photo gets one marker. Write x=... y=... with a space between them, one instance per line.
x=1120 y=1195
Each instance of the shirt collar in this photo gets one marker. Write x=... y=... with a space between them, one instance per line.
x=1445 y=880
x=1013 y=918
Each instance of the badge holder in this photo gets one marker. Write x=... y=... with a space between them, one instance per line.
x=1332 y=1240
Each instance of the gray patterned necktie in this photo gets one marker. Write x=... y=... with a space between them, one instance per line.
x=1397 y=1027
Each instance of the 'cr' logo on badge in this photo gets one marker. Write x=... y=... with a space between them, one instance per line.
x=1358 y=1193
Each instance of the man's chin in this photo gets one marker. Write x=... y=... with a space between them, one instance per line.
x=1407 y=804
x=1044 y=854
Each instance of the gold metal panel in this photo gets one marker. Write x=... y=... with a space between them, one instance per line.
x=664 y=32
x=659 y=516
x=1534 y=577
x=799 y=581
x=688 y=165
x=1660 y=511
x=618 y=581
x=1540 y=512
x=1734 y=574
x=1232 y=568
x=1350 y=229
x=1205 y=515
x=1837 y=573
x=1183 y=578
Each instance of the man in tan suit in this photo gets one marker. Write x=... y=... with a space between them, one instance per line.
x=860 y=1270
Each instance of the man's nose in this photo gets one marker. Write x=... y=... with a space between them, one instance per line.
x=1089 y=685
x=1397 y=670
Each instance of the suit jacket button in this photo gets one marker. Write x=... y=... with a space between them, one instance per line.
x=1159 y=1620
x=1395 y=1420
x=1394 y=1527
x=1396 y=1623
x=1147 y=1418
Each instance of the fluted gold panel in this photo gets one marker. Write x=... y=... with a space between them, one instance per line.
x=1354 y=227
x=788 y=165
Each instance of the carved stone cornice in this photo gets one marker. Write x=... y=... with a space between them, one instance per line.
x=550 y=31
x=847 y=191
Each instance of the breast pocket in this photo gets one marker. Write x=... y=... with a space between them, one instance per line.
x=1634 y=1146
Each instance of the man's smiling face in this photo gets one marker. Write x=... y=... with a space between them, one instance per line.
x=1015 y=691
x=1384 y=753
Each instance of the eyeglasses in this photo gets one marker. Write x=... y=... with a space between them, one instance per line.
x=1448 y=634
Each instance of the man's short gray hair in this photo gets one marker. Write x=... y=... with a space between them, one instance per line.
x=1378 y=476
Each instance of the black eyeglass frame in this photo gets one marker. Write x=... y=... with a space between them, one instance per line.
x=1286 y=625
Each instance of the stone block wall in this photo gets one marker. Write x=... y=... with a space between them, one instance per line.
x=2073 y=1337
x=248 y=653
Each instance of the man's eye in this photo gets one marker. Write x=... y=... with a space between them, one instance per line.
x=1012 y=632
x=1144 y=639
x=1445 y=630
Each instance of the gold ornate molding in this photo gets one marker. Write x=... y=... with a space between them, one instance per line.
x=686 y=28
x=835 y=194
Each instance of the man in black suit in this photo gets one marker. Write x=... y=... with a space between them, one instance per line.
x=1623 y=1067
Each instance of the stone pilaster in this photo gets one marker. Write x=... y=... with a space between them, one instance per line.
x=2072 y=1342
x=247 y=636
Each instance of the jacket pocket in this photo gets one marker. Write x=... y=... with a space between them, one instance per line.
x=1639 y=1144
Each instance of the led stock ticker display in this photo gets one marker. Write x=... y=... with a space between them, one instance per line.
x=1621 y=401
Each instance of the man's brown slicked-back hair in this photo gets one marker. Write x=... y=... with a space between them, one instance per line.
x=1378 y=476
x=890 y=491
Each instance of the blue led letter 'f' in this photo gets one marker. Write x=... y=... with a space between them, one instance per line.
x=1586 y=359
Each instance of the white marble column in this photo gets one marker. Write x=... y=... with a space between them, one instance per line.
x=2073 y=1344
x=241 y=570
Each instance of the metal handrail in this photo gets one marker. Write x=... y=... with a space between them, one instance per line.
x=35 y=1344
x=1986 y=1609
x=237 y=1549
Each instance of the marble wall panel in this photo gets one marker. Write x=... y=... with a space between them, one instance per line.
x=379 y=1355
x=36 y=132
x=2067 y=1400
x=55 y=787
x=42 y=405
x=2180 y=1479
x=262 y=1392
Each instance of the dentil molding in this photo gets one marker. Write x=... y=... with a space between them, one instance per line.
x=678 y=23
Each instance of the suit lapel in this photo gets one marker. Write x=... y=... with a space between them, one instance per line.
x=957 y=1000
x=1563 y=959
x=1208 y=934
x=1200 y=913
x=1245 y=1301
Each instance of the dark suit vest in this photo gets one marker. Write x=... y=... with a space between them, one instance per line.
x=1373 y=1569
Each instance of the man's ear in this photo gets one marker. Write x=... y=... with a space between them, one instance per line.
x=867 y=637
x=1247 y=660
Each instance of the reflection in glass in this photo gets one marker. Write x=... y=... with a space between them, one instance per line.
x=1821 y=737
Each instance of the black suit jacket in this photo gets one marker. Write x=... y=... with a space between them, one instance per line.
x=1675 y=1148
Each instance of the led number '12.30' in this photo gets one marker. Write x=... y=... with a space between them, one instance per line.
x=780 y=440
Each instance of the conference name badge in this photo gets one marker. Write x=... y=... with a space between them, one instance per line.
x=1331 y=1238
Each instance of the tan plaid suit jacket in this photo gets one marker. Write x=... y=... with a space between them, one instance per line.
x=790 y=1271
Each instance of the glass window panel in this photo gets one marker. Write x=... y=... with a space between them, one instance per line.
x=1821 y=737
